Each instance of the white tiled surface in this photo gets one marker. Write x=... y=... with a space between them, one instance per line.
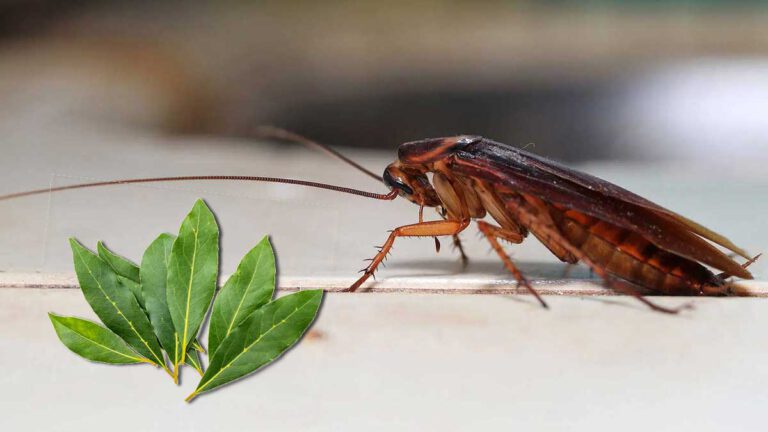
x=420 y=362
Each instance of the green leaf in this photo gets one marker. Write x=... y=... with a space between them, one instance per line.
x=93 y=342
x=193 y=359
x=154 y=273
x=120 y=265
x=192 y=271
x=261 y=338
x=116 y=306
x=134 y=287
x=250 y=287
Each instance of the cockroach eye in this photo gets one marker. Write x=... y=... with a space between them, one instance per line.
x=395 y=183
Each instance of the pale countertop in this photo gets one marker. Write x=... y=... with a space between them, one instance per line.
x=404 y=361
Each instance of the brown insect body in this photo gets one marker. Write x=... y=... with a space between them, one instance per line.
x=577 y=216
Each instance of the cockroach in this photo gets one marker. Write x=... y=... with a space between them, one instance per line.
x=633 y=244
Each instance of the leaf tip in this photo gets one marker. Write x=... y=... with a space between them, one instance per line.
x=76 y=246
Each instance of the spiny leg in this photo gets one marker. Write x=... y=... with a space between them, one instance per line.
x=456 y=240
x=423 y=229
x=458 y=246
x=552 y=234
x=421 y=220
x=492 y=233
x=629 y=289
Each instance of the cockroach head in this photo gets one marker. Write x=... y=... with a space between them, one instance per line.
x=411 y=183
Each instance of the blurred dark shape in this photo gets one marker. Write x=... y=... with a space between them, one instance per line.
x=20 y=18
x=576 y=79
x=552 y=120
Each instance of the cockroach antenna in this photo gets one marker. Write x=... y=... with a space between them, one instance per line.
x=272 y=132
x=389 y=196
x=262 y=132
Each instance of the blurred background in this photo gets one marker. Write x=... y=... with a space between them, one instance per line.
x=582 y=80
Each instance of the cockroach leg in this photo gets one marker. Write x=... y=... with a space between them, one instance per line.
x=492 y=233
x=456 y=241
x=424 y=229
x=551 y=234
x=543 y=215
x=421 y=220
x=627 y=288
x=457 y=244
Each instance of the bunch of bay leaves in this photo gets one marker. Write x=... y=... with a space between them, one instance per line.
x=153 y=312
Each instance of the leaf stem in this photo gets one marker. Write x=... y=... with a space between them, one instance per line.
x=191 y=396
x=170 y=374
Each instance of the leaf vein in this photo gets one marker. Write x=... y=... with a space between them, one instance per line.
x=141 y=359
x=119 y=312
x=203 y=385
x=189 y=287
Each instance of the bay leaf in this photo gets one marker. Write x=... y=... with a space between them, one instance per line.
x=154 y=275
x=250 y=287
x=116 y=306
x=120 y=265
x=93 y=342
x=261 y=338
x=192 y=272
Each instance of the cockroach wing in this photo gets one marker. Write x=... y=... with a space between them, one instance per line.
x=515 y=170
x=607 y=188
